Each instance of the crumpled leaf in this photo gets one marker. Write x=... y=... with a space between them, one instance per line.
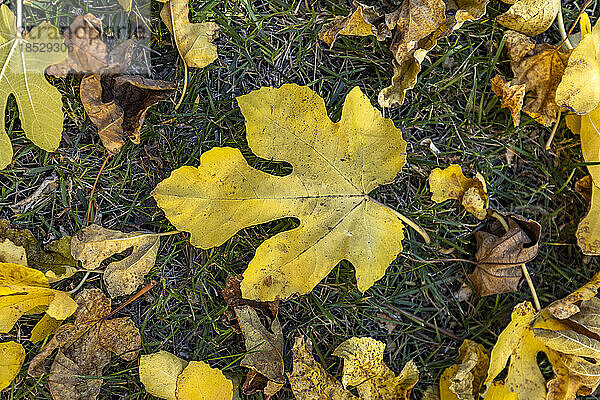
x=530 y=17
x=540 y=68
x=579 y=89
x=194 y=41
x=85 y=347
x=94 y=244
x=40 y=103
x=46 y=188
x=501 y=253
x=54 y=259
x=512 y=96
x=159 y=371
x=335 y=166
x=451 y=183
x=363 y=368
x=116 y=103
x=564 y=341
x=199 y=381
x=25 y=290
x=259 y=324
x=415 y=27
x=464 y=380
x=12 y=355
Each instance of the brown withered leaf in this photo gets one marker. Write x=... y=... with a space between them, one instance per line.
x=85 y=347
x=87 y=52
x=540 y=68
x=500 y=254
x=258 y=322
x=512 y=96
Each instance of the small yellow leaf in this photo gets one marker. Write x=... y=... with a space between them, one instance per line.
x=464 y=380
x=94 y=244
x=12 y=356
x=194 y=41
x=352 y=25
x=335 y=167
x=44 y=328
x=159 y=372
x=530 y=17
x=579 y=89
x=512 y=96
x=11 y=253
x=24 y=290
x=451 y=183
x=568 y=306
x=199 y=381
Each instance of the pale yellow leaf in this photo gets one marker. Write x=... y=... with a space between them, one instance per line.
x=12 y=356
x=451 y=183
x=199 y=381
x=159 y=372
x=530 y=17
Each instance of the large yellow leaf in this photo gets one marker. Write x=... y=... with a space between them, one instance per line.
x=12 y=355
x=24 y=290
x=199 y=381
x=193 y=40
x=335 y=167
x=159 y=372
x=22 y=65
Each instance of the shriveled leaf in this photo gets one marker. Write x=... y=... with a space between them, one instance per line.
x=44 y=328
x=335 y=166
x=364 y=369
x=24 y=290
x=94 y=244
x=583 y=187
x=512 y=96
x=46 y=188
x=569 y=305
x=23 y=61
x=352 y=25
x=500 y=254
x=85 y=347
x=12 y=355
x=530 y=17
x=309 y=380
x=54 y=259
x=199 y=381
x=464 y=380
x=264 y=347
x=451 y=183
x=194 y=41
x=540 y=68
x=159 y=372
x=579 y=89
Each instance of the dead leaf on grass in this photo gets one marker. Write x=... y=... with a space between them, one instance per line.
x=451 y=183
x=12 y=355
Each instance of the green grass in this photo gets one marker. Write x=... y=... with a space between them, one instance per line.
x=268 y=43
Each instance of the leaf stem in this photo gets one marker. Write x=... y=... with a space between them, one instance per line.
x=406 y=220
x=561 y=27
x=19 y=18
x=551 y=138
x=185 y=83
x=536 y=300
x=81 y=282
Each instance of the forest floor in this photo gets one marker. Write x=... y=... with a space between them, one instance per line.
x=415 y=308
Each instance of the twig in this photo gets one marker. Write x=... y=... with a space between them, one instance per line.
x=133 y=298
x=554 y=129
x=89 y=210
x=500 y=219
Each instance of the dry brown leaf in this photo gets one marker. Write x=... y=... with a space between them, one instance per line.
x=94 y=244
x=540 y=68
x=501 y=253
x=512 y=96
x=85 y=347
x=47 y=187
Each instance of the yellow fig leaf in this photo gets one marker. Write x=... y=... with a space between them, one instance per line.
x=497 y=391
x=24 y=290
x=22 y=62
x=12 y=355
x=159 y=372
x=530 y=17
x=579 y=89
x=451 y=183
x=512 y=96
x=464 y=380
x=335 y=167
x=199 y=381
x=44 y=328
x=94 y=244
x=364 y=369
x=194 y=41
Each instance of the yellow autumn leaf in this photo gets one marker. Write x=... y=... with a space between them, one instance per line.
x=579 y=89
x=335 y=167
x=24 y=290
x=497 y=391
x=11 y=253
x=352 y=25
x=464 y=380
x=44 y=328
x=159 y=372
x=12 y=355
x=530 y=17
x=363 y=368
x=512 y=96
x=94 y=244
x=23 y=61
x=194 y=41
x=588 y=230
x=199 y=381
x=451 y=183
